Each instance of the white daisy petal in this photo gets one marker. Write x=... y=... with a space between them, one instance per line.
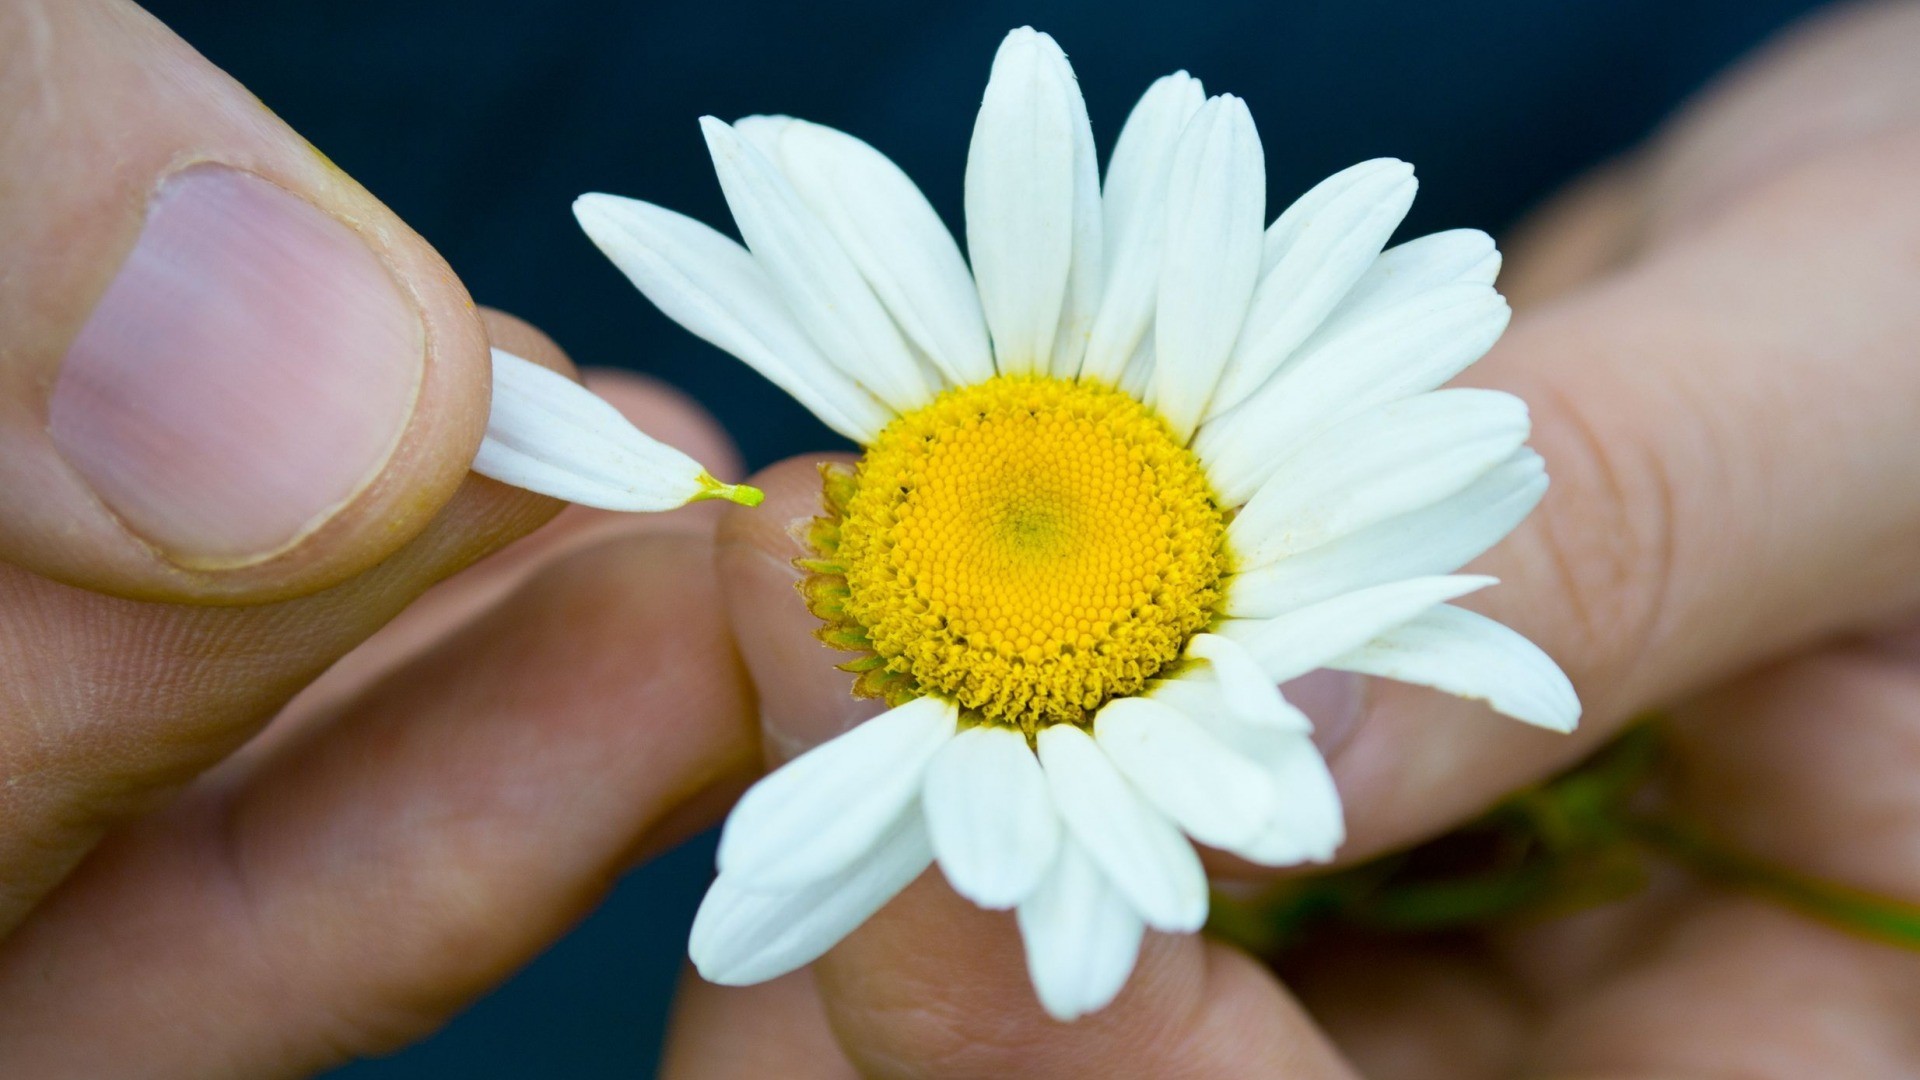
x=548 y=434
x=1216 y=196
x=990 y=815
x=1307 y=823
x=1404 y=350
x=1246 y=693
x=1020 y=191
x=1427 y=262
x=1200 y=694
x=1135 y=208
x=1081 y=937
x=1216 y=796
x=820 y=812
x=1469 y=655
x=764 y=132
x=1437 y=539
x=1288 y=646
x=1086 y=274
x=1315 y=251
x=1137 y=380
x=892 y=234
x=713 y=287
x=822 y=287
x=743 y=936
x=1139 y=851
x=1389 y=460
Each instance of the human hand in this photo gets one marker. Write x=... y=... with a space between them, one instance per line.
x=238 y=400
x=1715 y=339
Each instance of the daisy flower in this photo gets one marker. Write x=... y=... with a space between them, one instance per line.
x=1138 y=461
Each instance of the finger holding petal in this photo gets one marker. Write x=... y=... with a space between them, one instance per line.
x=549 y=434
x=1021 y=187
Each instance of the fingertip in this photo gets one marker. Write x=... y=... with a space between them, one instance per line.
x=804 y=698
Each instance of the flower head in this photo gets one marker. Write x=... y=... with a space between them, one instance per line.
x=1142 y=460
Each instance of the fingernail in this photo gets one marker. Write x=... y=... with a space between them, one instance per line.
x=248 y=370
x=1331 y=699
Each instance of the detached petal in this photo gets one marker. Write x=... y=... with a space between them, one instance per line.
x=1314 y=252
x=1407 y=349
x=1216 y=196
x=822 y=811
x=1020 y=193
x=1081 y=937
x=1437 y=539
x=1216 y=796
x=1389 y=460
x=712 y=286
x=1136 y=219
x=1469 y=655
x=743 y=936
x=548 y=434
x=892 y=234
x=1293 y=644
x=988 y=810
x=820 y=283
x=1138 y=850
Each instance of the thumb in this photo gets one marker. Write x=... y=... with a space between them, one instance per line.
x=227 y=373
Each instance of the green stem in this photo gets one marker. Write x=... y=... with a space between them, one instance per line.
x=1894 y=921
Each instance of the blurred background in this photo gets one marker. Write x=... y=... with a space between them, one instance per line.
x=478 y=121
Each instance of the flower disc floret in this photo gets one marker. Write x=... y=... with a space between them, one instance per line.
x=1028 y=547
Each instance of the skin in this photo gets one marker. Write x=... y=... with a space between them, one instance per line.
x=309 y=808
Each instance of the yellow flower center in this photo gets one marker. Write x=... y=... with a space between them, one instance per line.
x=1028 y=547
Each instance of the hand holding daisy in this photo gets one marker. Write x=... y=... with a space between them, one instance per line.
x=1646 y=591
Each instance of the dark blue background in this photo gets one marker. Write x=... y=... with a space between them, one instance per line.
x=480 y=120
